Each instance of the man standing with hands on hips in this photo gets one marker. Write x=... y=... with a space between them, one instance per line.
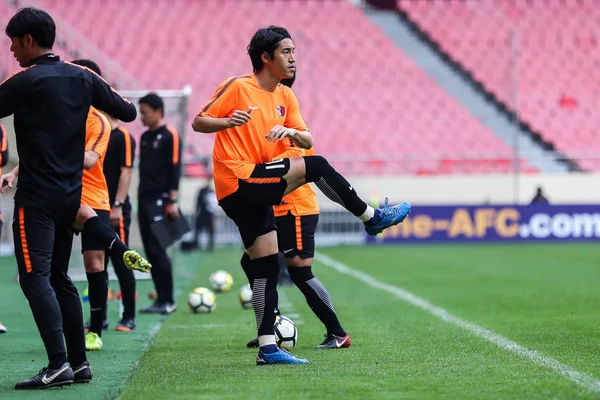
x=160 y=166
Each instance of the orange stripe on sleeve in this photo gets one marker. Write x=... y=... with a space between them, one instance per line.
x=225 y=87
x=103 y=130
x=24 y=247
x=122 y=230
x=103 y=80
x=298 y=233
x=175 y=144
x=16 y=73
x=127 y=138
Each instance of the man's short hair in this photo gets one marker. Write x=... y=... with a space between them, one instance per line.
x=88 y=64
x=265 y=40
x=35 y=22
x=153 y=101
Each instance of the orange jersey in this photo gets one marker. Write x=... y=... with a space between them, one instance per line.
x=238 y=149
x=302 y=201
x=95 y=192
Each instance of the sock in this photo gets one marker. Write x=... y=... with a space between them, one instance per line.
x=55 y=347
x=246 y=263
x=264 y=292
x=317 y=298
x=333 y=185
x=267 y=344
x=106 y=235
x=98 y=294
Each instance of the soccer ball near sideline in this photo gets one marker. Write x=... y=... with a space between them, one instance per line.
x=221 y=281
x=286 y=333
x=202 y=300
x=246 y=297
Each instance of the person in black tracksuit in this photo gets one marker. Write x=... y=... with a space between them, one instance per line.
x=118 y=164
x=50 y=101
x=160 y=155
x=206 y=205
x=3 y=162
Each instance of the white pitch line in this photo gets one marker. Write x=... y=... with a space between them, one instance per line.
x=289 y=309
x=586 y=381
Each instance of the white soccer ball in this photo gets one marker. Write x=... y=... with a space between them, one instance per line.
x=221 y=281
x=202 y=300
x=286 y=333
x=246 y=297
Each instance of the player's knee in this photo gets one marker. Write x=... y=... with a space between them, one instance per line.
x=93 y=261
x=315 y=167
x=300 y=275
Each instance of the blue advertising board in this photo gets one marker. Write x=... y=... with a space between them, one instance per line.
x=495 y=224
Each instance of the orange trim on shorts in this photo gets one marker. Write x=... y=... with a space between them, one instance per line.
x=298 y=233
x=24 y=247
x=263 y=180
x=122 y=229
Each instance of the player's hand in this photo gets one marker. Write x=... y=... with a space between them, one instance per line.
x=115 y=218
x=7 y=180
x=240 y=117
x=279 y=133
x=172 y=210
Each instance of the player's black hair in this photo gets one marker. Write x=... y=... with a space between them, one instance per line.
x=265 y=40
x=289 y=82
x=35 y=22
x=153 y=101
x=89 y=64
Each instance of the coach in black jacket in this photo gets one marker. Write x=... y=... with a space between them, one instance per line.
x=160 y=155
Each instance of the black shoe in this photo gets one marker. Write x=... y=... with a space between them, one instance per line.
x=253 y=344
x=335 y=342
x=159 y=308
x=125 y=325
x=47 y=378
x=87 y=325
x=82 y=373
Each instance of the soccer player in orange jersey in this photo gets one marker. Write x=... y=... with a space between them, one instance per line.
x=95 y=197
x=297 y=217
x=250 y=114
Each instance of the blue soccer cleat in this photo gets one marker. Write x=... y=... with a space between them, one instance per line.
x=388 y=216
x=279 y=357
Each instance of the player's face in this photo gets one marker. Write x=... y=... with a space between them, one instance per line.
x=283 y=64
x=148 y=115
x=18 y=47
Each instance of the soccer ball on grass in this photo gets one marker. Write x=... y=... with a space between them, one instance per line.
x=221 y=281
x=286 y=333
x=202 y=300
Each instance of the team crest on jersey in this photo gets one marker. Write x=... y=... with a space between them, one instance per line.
x=280 y=111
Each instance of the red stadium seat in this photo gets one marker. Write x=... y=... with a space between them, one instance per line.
x=360 y=94
x=556 y=46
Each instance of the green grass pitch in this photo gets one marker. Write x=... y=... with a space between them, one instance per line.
x=543 y=297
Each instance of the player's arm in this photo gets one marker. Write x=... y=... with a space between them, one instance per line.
x=107 y=99
x=12 y=93
x=98 y=134
x=90 y=159
x=220 y=113
x=3 y=147
x=286 y=148
x=126 y=159
x=302 y=139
